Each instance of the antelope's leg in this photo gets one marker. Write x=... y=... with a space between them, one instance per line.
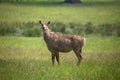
x=80 y=57
x=78 y=54
x=53 y=58
x=57 y=57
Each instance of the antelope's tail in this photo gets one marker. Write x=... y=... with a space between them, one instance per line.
x=84 y=41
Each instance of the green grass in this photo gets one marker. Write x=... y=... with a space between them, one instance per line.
x=95 y=11
x=25 y=58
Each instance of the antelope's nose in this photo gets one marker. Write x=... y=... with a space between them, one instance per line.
x=43 y=28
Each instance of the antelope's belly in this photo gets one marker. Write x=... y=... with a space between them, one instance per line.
x=60 y=47
x=64 y=47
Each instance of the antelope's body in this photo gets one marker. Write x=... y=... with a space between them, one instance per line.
x=57 y=42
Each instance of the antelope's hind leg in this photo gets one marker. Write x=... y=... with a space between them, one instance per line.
x=78 y=54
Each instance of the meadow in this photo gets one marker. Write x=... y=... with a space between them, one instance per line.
x=95 y=11
x=89 y=17
x=27 y=58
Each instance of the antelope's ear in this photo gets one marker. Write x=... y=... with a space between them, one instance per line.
x=48 y=22
x=40 y=22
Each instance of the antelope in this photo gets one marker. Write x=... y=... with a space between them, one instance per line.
x=58 y=42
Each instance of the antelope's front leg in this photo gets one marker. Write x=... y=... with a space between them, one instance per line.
x=57 y=57
x=53 y=58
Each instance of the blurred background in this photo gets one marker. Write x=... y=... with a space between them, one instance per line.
x=83 y=17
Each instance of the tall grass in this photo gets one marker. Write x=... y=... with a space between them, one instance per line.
x=96 y=12
x=28 y=58
x=31 y=29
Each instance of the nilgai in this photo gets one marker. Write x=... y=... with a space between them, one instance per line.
x=58 y=42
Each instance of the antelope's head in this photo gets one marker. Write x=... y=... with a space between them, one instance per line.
x=44 y=25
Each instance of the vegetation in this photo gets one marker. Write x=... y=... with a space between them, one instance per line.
x=95 y=12
x=85 y=19
x=28 y=58
x=72 y=1
x=34 y=29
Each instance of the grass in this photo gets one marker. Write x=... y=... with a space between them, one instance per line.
x=24 y=58
x=27 y=58
x=97 y=12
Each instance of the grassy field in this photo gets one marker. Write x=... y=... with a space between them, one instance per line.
x=24 y=58
x=95 y=11
x=27 y=58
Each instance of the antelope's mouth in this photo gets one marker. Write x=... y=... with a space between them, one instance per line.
x=43 y=28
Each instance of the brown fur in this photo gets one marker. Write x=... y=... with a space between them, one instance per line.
x=57 y=42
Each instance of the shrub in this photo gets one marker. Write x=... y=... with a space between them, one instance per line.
x=89 y=28
x=20 y=29
x=33 y=29
x=77 y=28
x=110 y=29
x=58 y=27
x=6 y=28
x=32 y=32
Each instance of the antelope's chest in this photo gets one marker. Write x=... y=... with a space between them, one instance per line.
x=51 y=41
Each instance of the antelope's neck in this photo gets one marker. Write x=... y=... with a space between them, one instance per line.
x=48 y=33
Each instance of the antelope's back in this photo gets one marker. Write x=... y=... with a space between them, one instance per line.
x=77 y=41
